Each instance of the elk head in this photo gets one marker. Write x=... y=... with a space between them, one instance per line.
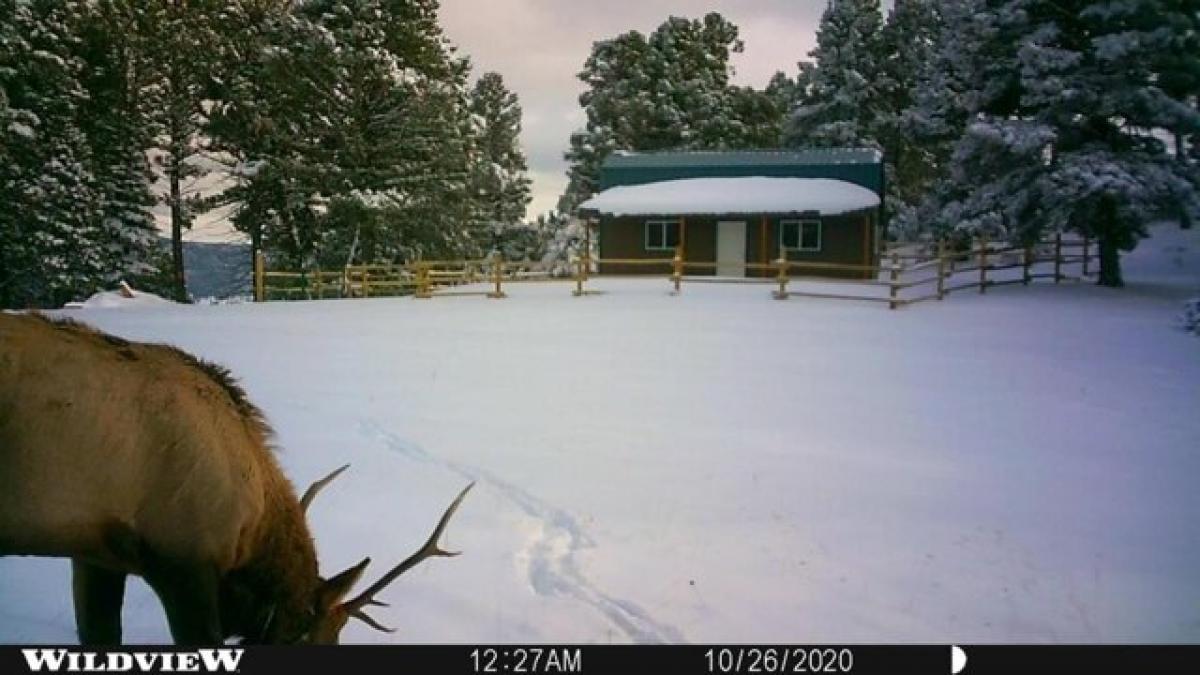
x=330 y=611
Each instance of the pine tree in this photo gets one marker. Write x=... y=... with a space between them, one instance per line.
x=349 y=132
x=500 y=182
x=844 y=100
x=376 y=134
x=909 y=40
x=947 y=94
x=176 y=41
x=666 y=91
x=50 y=235
x=112 y=121
x=753 y=119
x=1059 y=137
x=244 y=125
x=1178 y=68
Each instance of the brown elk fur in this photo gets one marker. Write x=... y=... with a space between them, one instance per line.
x=141 y=459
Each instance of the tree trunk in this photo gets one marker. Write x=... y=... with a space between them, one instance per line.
x=255 y=248
x=1185 y=218
x=1110 y=263
x=179 y=282
x=354 y=246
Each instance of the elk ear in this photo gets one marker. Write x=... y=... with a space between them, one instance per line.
x=333 y=590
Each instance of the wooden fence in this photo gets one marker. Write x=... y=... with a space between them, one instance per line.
x=420 y=279
x=906 y=274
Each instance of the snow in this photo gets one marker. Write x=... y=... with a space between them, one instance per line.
x=118 y=300
x=720 y=466
x=726 y=196
x=21 y=129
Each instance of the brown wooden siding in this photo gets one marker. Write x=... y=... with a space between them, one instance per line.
x=846 y=239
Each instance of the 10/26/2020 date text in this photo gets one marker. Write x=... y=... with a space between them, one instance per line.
x=779 y=660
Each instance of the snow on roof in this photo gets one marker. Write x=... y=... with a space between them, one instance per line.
x=726 y=196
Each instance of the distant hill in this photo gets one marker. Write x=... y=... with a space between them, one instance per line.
x=216 y=270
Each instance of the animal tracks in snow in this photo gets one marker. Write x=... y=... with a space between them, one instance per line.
x=548 y=558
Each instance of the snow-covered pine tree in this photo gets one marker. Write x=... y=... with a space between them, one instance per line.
x=968 y=66
x=177 y=42
x=500 y=181
x=754 y=119
x=395 y=138
x=275 y=126
x=909 y=40
x=1112 y=175
x=1178 y=68
x=244 y=128
x=1060 y=136
x=348 y=126
x=112 y=121
x=561 y=240
x=845 y=102
x=51 y=240
x=625 y=108
x=666 y=91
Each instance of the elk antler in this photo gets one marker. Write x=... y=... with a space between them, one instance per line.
x=431 y=549
x=311 y=492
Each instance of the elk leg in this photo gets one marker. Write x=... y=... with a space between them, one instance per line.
x=189 y=596
x=98 y=594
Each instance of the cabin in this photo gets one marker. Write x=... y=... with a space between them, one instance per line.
x=740 y=207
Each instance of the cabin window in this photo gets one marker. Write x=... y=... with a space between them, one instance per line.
x=662 y=235
x=800 y=235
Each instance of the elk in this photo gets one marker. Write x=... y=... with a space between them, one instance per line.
x=133 y=458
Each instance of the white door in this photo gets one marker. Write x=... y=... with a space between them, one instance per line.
x=731 y=248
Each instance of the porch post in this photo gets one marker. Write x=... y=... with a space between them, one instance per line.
x=682 y=233
x=762 y=243
x=866 y=245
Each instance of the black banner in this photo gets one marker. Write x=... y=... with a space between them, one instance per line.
x=606 y=659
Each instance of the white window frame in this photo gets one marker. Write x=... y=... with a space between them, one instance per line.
x=664 y=224
x=801 y=222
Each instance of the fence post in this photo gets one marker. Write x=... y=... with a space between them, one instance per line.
x=892 y=278
x=782 y=277
x=423 y=281
x=578 y=292
x=497 y=274
x=1025 y=260
x=260 y=284
x=983 y=263
x=941 y=253
x=677 y=268
x=1086 y=245
x=366 y=282
x=1058 y=257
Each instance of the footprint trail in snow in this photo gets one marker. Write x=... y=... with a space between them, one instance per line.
x=551 y=553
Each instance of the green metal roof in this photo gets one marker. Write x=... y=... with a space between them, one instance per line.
x=861 y=166
x=804 y=156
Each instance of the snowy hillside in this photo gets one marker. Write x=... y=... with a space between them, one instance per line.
x=721 y=466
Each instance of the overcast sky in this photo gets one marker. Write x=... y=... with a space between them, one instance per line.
x=540 y=45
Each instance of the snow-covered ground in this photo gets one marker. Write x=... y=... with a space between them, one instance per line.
x=721 y=466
